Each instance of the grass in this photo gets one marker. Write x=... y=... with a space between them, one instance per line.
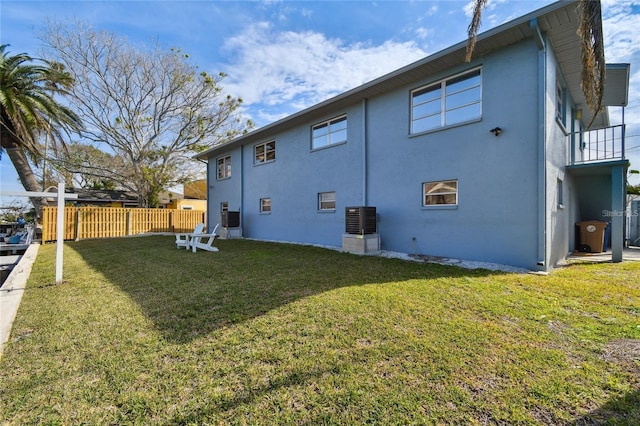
x=264 y=333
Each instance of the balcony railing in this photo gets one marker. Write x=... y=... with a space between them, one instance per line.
x=598 y=145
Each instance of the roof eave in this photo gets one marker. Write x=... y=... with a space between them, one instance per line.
x=519 y=27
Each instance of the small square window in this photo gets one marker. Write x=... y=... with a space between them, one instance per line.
x=224 y=206
x=265 y=205
x=327 y=201
x=440 y=193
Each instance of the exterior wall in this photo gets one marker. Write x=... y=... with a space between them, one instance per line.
x=495 y=218
x=227 y=190
x=559 y=224
x=295 y=178
x=634 y=223
x=594 y=197
x=382 y=165
x=196 y=190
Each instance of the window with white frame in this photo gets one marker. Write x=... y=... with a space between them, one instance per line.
x=561 y=102
x=327 y=201
x=265 y=205
x=265 y=152
x=440 y=193
x=224 y=167
x=450 y=101
x=224 y=206
x=329 y=132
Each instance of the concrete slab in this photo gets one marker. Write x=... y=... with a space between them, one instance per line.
x=628 y=254
x=12 y=290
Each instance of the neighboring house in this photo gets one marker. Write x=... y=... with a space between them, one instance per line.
x=194 y=197
x=486 y=160
x=101 y=198
x=187 y=204
x=123 y=198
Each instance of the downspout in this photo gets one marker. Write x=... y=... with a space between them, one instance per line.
x=210 y=189
x=542 y=142
x=364 y=153
x=241 y=207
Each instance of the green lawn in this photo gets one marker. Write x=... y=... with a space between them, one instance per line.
x=264 y=333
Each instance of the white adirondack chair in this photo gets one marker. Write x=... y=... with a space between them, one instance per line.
x=204 y=241
x=184 y=240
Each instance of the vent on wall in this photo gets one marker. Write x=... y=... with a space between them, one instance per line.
x=230 y=219
x=360 y=220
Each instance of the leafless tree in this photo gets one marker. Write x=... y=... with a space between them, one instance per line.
x=147 y=106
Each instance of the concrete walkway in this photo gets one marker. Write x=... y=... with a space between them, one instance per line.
x=628 y=253
x=12 y=290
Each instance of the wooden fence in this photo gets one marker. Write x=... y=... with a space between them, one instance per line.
x=106 y=222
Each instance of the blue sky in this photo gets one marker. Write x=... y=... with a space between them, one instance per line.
x=282 y=56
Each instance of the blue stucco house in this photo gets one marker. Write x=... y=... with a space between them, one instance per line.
x=486 y=160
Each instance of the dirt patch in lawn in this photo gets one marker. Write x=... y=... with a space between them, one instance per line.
x=625 y=352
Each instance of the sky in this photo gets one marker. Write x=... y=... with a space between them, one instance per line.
x=283 y=56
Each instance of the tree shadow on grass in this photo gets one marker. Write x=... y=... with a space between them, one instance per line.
x=188 y=295
x=618 y=411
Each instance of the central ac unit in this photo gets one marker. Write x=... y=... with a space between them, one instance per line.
x=360 y=220
x=230 y=219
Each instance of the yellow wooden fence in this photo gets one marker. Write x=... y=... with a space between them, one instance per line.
x=106 y=222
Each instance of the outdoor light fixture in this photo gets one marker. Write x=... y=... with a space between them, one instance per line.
x=496 y=131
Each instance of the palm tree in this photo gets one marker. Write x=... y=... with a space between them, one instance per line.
x=591 y=47
x=28 y=109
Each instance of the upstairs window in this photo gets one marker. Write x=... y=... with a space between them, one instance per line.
x=330 y=132
x=561 y=102
x=265 y=152
x=442 y=193
x=224 y=167
x=450 y=101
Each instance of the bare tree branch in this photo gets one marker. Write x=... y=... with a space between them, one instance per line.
x=149 y=107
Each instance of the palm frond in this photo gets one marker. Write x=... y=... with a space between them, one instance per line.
x=474 y=26
x=592 y=54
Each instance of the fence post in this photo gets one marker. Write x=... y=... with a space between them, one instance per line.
x=128 y=221
x=78 y=224
x=171 y=222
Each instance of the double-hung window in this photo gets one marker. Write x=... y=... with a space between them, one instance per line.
x=265 y=152
x=441 y=193
x=450 y=101
x=265 y=205
x=329 y=132
x=224 y=167
x=327 y=201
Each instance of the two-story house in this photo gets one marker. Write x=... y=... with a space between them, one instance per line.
x=485 y=160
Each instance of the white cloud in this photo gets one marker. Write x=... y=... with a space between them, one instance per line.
x=293 y=70
x=491 y=5
x=423 y=33
x=622 y=45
